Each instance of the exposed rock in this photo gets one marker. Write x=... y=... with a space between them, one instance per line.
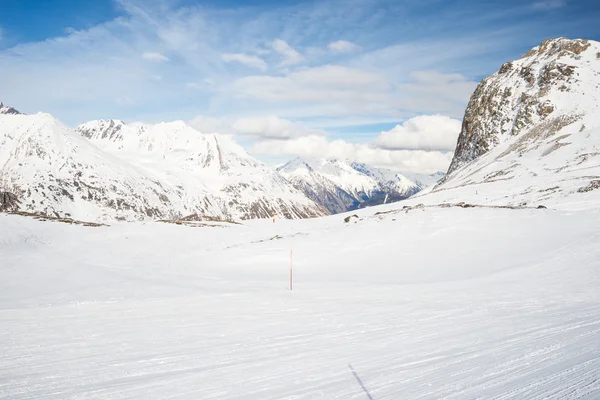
x=9 y=110
x=595 y=184
x=8 y=202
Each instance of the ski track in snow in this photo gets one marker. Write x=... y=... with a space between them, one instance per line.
x=441 y=303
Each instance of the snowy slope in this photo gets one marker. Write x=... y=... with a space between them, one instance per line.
x=531 y=132
x=206 y=314
x=344 y=185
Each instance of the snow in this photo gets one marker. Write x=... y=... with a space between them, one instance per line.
x=506 y=306
x=525 y=172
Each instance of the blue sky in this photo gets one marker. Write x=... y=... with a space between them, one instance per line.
x=338 y=71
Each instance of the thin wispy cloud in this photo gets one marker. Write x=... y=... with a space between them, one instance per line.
x=155 y=57
x=272 y=127
x=250 y=61
x=548 y=4
x=289 y=54
x=342 y=46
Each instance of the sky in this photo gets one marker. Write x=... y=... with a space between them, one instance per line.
x=379 y=81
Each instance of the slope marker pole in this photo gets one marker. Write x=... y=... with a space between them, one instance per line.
x=290 y=269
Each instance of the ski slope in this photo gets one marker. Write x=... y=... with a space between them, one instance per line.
x=476 y=303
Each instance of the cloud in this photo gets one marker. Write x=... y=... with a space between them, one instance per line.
x=342 y=46
x=290 y=56
x=435 y=92
x=548 y=4
x=251 y=61
x=272 y=127
x=341 y=89
x=426 y=132
x=155 y=57
x=318 y=146
x=206 y=124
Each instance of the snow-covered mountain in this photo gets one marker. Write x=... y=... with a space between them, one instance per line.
x=344 y=185
x=531 y=131
x=164 y=171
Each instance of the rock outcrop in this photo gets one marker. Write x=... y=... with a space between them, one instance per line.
x=9 y=201
x=8 y=110
x=545 y=86
x=531 y=132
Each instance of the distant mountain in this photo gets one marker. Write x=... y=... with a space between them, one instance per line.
x=8 y=110
x=531 y=131
x=341 y=185
x=108 y=170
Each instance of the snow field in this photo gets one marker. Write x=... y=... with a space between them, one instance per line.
x=442 y=303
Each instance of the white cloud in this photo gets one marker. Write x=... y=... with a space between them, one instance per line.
x=251 y=61
x=206 y=124
x=435 y=92
x=342 y=90
x=318 y=146
x=290 y=56
x=272 y=127
x=155 y=57
x=342 y=46
x=548 y=4
x=425 y=132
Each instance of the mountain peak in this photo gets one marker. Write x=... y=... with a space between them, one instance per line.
x=560 y=46
x=9 y=110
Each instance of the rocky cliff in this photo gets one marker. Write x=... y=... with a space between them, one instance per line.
x=531 y=131
x=554 y=85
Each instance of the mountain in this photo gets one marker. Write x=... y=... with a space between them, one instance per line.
x=199 y=163
x=533 y=129
x=341 y=185
x=164 y=171
x=8 y=110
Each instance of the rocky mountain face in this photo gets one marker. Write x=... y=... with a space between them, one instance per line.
x=8 y=110
x=532 y=127
x=341 y=185
x=109 y=170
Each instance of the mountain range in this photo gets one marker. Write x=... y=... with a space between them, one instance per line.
x=340 y=185
x=108 y=170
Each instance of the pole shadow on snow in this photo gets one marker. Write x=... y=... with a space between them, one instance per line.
x=362 y=385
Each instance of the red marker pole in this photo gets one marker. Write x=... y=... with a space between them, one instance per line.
x=290 y=269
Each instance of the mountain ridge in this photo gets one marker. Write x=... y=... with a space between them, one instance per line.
x=342 y=185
